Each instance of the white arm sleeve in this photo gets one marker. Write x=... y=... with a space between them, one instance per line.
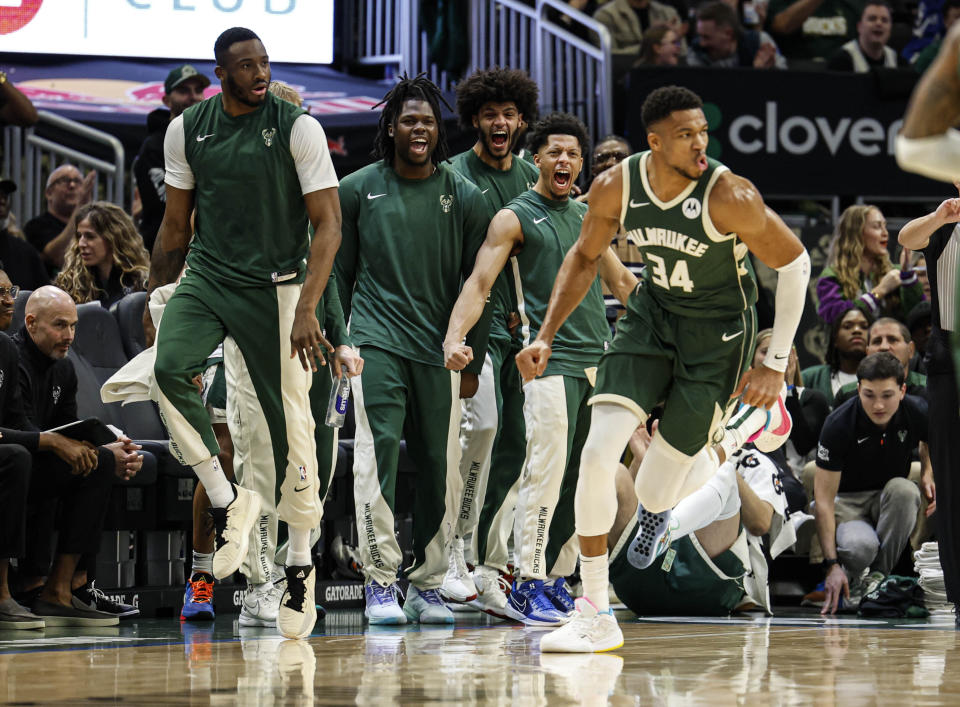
x=178 y=172
x=937 y=157
x=792 y=280
x=308 y=145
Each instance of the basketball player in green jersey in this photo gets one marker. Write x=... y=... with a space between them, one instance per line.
x=685 y=340
x=496 y=103
x=411 y=230
x=259 y=173
x=534 y=232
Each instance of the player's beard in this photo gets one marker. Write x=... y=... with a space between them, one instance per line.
x=237 y=93
x=487 y=142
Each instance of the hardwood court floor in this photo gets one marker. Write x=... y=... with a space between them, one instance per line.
x=798 y=659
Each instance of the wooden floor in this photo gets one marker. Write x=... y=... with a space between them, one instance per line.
x=798 y=659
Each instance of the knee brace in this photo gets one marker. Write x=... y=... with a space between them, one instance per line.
x=661 y=476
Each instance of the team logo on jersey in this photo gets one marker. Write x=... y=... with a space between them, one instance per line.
x=902 y=434
x=691 y=207
x=531 y=185
x=268 y=136
x=823 y=454
x=56 y=394
x=446 y=201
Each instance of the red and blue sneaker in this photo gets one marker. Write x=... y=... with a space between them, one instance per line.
x=198 y=598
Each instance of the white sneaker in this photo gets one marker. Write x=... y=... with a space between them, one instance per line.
x=492 y=588
x=261 y=604
x=426 y=607
x=458 y=585
x=232 y=525
x=588 y=632
x=298 y=606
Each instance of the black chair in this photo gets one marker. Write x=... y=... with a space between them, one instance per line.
x=129 y=315
x=19 y=311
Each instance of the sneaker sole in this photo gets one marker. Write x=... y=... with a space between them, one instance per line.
x=455 y=599
x=303 y=626
x=78 y=621
x=248 y=521
x=642 y=551
x=25 y=625
x=256 y=621
x=386 y=620
x=199 y=616
x=515 y=615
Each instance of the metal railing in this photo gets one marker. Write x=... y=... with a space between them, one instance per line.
x=574 y=74
x=31 y=154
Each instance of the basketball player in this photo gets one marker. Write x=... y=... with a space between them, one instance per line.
x=496 y=103
x=686 y=338
x=259 y=172
x=535 y=231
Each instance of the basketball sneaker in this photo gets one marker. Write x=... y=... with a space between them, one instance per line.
x=426 y=606
x=198 y=599
x=232 y=525
x=458 y=585
x=652 y=538
x=261 y=603
x=529 y=604
x=768 y=430
x=590 y=631
x=96 y=599
x=381 y=604
x=297 y=613
x=492 y=589
x=556 y=591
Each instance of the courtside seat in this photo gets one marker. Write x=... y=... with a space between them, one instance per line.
x=19 y=311
x=129 y=315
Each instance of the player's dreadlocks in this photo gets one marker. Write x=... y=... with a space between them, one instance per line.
x=496 y=85
x=419 y=88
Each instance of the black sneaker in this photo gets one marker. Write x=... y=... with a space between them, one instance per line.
x=98 y=601
x=77 y=614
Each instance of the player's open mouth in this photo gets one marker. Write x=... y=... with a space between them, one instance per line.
x=418 y=145
x=499 y=138
x=260 y=89
x=702 y=161
x=561 y=178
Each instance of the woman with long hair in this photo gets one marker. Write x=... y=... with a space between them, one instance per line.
x=661 y=46
x=859 y=272
x=107 y=258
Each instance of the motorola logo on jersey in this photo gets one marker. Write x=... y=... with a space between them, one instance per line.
x=691 y=207
x=15 y=14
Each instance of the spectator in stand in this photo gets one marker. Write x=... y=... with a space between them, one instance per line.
x=751 y=13
x=920 y=267
x=859 y=272
x=107 y=259
x=75 y=472
x=927 y=28
x=865 y=506
x=587 y=7
x=627 y=20
x=890 y=336
x=950 y=14
x=869 y=50
x=15 y=108
x=23 y=263
x=8 y=298
x=661 y=46
x=920 y=324
x=847 y=347
x=721 y=41
x=52 y=231
x=182 y=88
x=813 y=29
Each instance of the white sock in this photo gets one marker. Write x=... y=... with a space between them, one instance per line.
x=219 y=489
x=298 y=551
x=595 y=577
x=203 y=562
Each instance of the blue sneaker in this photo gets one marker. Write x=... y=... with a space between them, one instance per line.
x=529 y=604
x=198 y=599
x=652 y=538
x=382 y=606
x=426 y=606
x=556 y=591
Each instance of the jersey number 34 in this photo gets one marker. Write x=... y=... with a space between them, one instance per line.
x=680 y=277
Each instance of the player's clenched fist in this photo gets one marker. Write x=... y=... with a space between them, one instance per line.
x=456 y=356
x=532 y=360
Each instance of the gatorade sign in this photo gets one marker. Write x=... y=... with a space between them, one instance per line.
x=299 y=31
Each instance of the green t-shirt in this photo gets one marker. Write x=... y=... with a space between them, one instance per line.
x=550 y=228
x=251 y=221
x=693 y=269
x=407 y=246
x=499 y=187
x=823 y=33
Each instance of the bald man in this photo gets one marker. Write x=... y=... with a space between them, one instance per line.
x=75 y=472
x=52 y=231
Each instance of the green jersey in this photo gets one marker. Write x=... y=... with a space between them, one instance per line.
x=499 y=187
x=251 y=220
x=407 y=246
x=693 y=269
x=550 y=228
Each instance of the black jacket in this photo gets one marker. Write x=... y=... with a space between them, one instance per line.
x=14 y=425
x=48 y=386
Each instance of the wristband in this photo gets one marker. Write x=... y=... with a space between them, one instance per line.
x=828 y=563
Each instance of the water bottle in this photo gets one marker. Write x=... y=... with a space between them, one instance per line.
x=339 y=398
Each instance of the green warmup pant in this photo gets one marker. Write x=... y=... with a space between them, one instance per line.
x=396 y=398
x=253 y=462
x=493 y=446
x=199 y=315
x=557 y=420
